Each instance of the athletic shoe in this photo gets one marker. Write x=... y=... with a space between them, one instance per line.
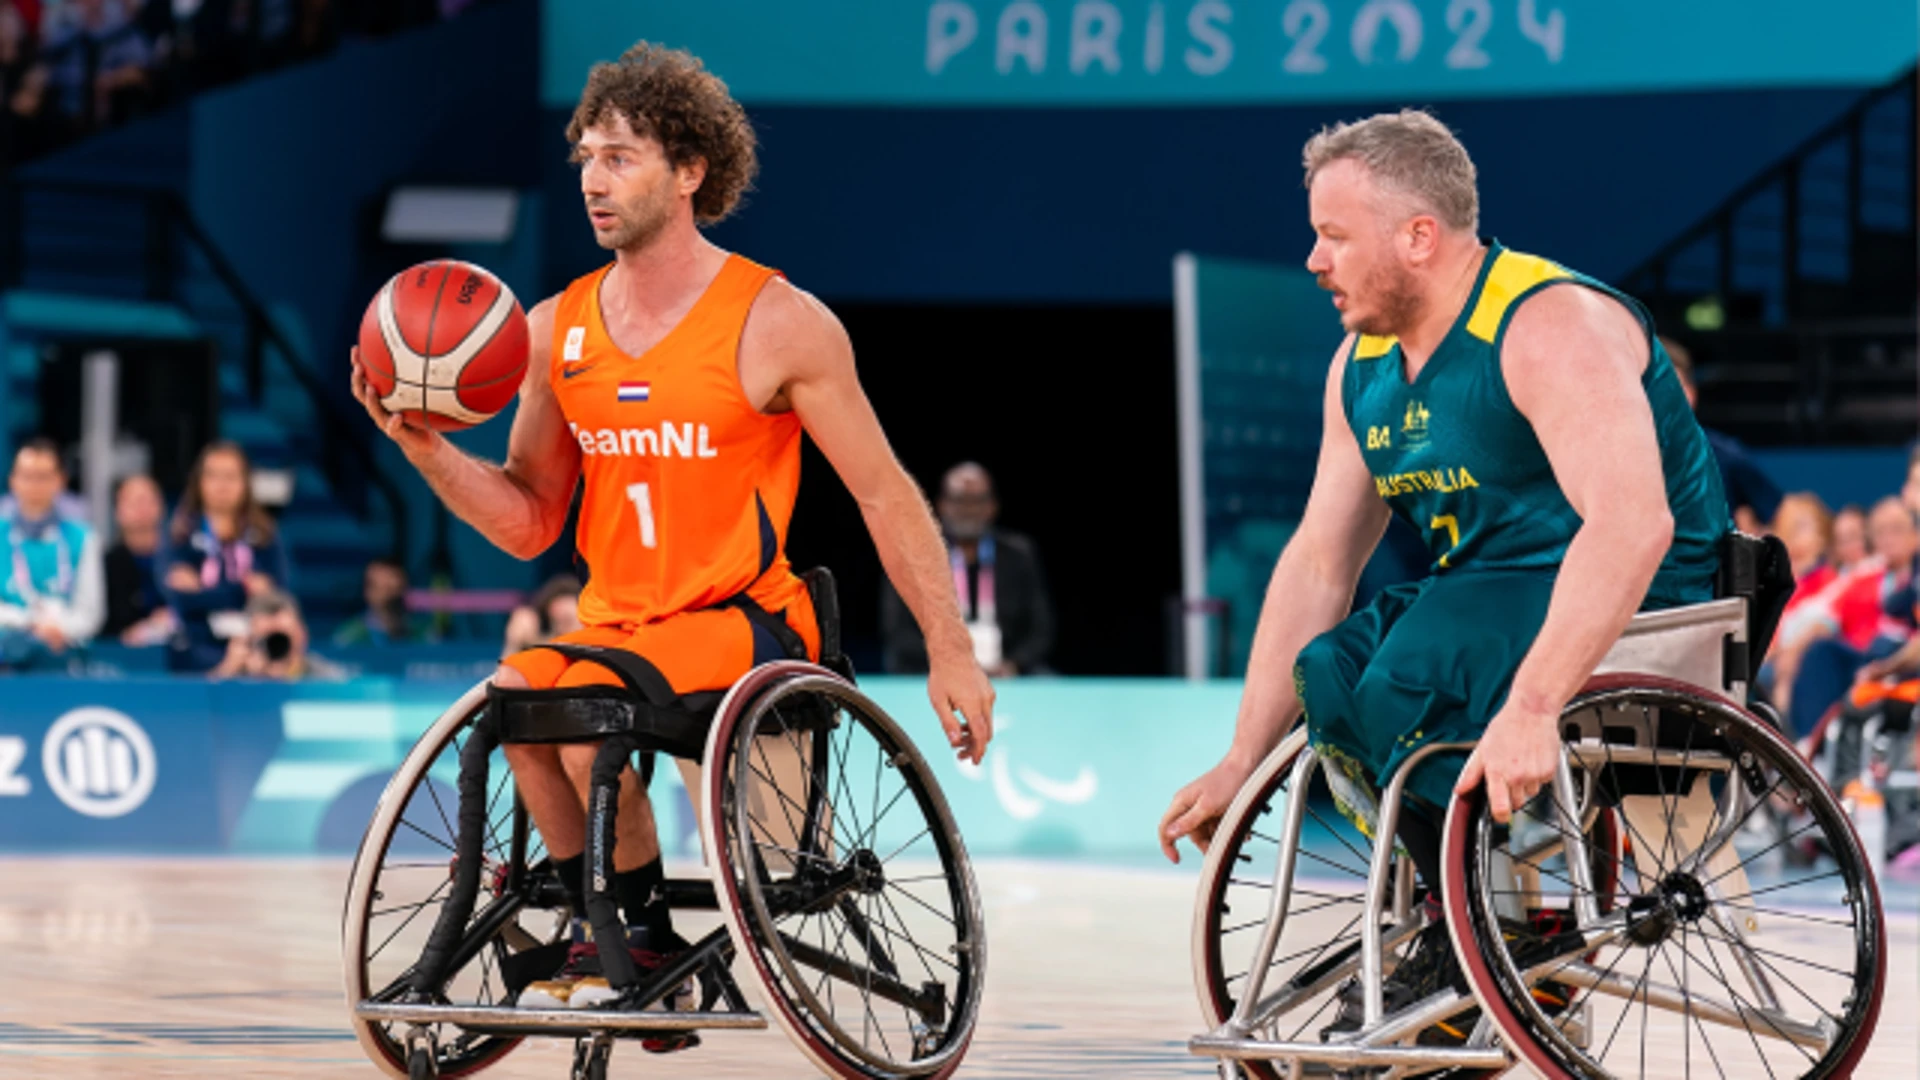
x=583 y=958
x=1431 y=966
x=580 y=983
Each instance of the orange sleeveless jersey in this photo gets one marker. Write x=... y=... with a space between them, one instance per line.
x=689 y=488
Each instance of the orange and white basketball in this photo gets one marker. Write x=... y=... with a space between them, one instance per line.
x=445 y=344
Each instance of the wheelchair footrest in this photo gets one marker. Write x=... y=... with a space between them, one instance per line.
x=556 y=1021
x=1348 y=1055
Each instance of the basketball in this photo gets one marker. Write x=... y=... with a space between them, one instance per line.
x=444 y=344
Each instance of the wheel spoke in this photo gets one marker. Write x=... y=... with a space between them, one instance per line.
x=936 y=911
x=1738 y=1005
x=409 y=919
x=849 y=821
x=925 y=954
x=427 y=834
x=1686 y=1036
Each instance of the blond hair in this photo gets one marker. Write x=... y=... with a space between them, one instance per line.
x=1409 y=153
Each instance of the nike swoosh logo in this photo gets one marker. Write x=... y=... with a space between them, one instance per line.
x=568 y=373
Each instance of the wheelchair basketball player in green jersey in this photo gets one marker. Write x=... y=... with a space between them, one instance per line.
x=1522 y=417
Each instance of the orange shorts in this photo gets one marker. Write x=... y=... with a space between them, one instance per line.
x=708 y=649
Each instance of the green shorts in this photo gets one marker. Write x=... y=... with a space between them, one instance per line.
x=1426 y=661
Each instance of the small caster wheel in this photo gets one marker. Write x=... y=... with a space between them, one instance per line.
x=420 y=1064
x=590 y=1058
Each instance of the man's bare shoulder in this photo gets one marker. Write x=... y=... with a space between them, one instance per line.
x=1340 y=355
x=540 y=319
x=1569 y=316
x=792 y=328
x=539 y=345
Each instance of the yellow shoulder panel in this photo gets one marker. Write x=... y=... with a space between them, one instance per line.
x=1373 y=348
x=1509 y=279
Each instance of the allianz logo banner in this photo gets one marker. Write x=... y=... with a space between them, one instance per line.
x=162 y=765
x=1143 y=52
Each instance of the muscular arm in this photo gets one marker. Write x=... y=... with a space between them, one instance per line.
x=1573 y=360
x=521 y=506
x=1310 y=590
x=1312 y=585
x=795 y=354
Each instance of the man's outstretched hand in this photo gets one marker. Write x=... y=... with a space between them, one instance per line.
x=411 y=438
x=963 y=699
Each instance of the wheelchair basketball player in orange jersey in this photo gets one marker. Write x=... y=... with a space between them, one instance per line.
x=677 y=381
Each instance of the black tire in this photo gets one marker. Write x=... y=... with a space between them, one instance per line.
x=858 y=806
x=1680 y=929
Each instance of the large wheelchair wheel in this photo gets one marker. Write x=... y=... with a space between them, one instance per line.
x=1319 y=947
x=404 y=874
x=842 y=877
x=1714 y=956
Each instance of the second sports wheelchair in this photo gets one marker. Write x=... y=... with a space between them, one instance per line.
x=1631 y=921
x=843 y=892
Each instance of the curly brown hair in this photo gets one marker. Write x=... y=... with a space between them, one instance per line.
x=669 y=95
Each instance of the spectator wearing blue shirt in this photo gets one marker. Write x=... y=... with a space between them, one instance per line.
x=52 y=598
x=97 y=61
x=1752 y=495
x=222 y=549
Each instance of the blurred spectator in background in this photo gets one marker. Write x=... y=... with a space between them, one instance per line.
x=1903 y=603
x=1753 y=497
x=274 y=645
x=1829 y=635
x=996 y=574
x=137 y=611
x=386 y=620
x=1849 y=538
x=221 y=549
x=90 y=64
x=1805 y=526
x=553 y=610
x=22 y=85
x=52 y=599
x=97 y=63
x=1910 y=492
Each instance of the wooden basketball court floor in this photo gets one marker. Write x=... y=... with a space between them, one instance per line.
x=123 y=968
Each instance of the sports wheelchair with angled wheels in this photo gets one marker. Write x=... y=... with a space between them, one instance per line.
x=1633 y=920
x=845 y=900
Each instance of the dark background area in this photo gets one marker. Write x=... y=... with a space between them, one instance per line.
x=1072 y=411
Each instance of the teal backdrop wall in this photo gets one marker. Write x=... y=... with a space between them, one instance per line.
x=1130 y=52
x=149 y=765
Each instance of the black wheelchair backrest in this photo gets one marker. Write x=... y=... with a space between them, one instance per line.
x=1757 y=568
x=826 y=611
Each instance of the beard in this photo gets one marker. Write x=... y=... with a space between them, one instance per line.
x=639 y=221
x=1397 y=302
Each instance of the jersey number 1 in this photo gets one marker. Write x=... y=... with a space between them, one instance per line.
x=643 y=506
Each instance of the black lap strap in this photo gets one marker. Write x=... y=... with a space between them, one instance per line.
x=645 y=707
x=634 y=671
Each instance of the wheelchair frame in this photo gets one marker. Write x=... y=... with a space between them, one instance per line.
x=461 y=933
x=1703 y=647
